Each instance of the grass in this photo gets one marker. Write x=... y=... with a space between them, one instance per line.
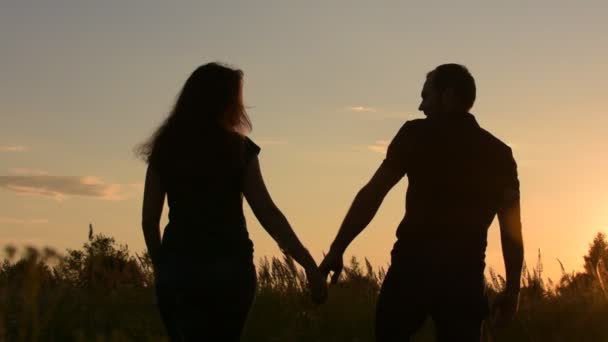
x=104 y=293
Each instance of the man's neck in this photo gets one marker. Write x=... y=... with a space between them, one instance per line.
x=453 y=116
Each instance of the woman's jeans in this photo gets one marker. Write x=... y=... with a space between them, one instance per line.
x=205 y=300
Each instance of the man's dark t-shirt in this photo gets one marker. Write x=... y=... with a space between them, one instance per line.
x=459 y=177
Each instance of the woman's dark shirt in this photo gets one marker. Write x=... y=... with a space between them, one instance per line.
x=203 y=179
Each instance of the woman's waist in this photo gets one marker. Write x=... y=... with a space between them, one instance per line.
x=205 y=238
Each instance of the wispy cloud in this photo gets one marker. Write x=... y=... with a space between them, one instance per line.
x=136 y=186
x=27 y=172
x=13 y=148
x=61 y=187
x=365 y=113
x=23 y=221
x=379 y=146
x=361 y=109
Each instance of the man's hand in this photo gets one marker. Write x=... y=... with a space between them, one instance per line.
x=332 y=262
x=505 y=307
x=317 y=284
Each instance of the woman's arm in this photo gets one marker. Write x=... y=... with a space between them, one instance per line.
x=271 y=218
x=154 y=199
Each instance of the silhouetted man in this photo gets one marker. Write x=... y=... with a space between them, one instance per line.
x=460 y=177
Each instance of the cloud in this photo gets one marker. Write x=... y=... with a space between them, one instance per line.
x=365 y=113
x=21 y=221
x=362 y=109
x=379 y=146
x=13 y=148
x=60 y=187
x=27 y=172
x=136 y=186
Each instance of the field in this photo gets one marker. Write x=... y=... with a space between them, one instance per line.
x=103 y=292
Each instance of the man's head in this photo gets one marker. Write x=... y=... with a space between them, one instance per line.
x=449 y=89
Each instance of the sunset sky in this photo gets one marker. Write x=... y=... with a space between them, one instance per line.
x=328 y=84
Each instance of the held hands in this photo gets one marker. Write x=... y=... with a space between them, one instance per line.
x=333 y=262
x=317 y=277
x=317 y=284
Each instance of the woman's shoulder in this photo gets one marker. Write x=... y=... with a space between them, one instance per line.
x=242 y=145
x=249 y=149
x=241 y=140
x=251 y=146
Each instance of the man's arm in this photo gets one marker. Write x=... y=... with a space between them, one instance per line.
x=507 y=303
x=509 y=219
x=362 y=210
x=368 y=199
x=364 y=206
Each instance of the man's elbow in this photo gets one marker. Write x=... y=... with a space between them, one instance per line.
x=513 y=237
x=370 y=194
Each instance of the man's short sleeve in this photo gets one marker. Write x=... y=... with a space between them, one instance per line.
x=398 y=151
x=510 y=190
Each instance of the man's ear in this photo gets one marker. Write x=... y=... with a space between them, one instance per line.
x=449 y=100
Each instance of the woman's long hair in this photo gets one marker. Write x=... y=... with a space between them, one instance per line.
x=209 y=104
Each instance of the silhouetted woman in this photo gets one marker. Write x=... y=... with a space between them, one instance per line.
x=201 y=159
